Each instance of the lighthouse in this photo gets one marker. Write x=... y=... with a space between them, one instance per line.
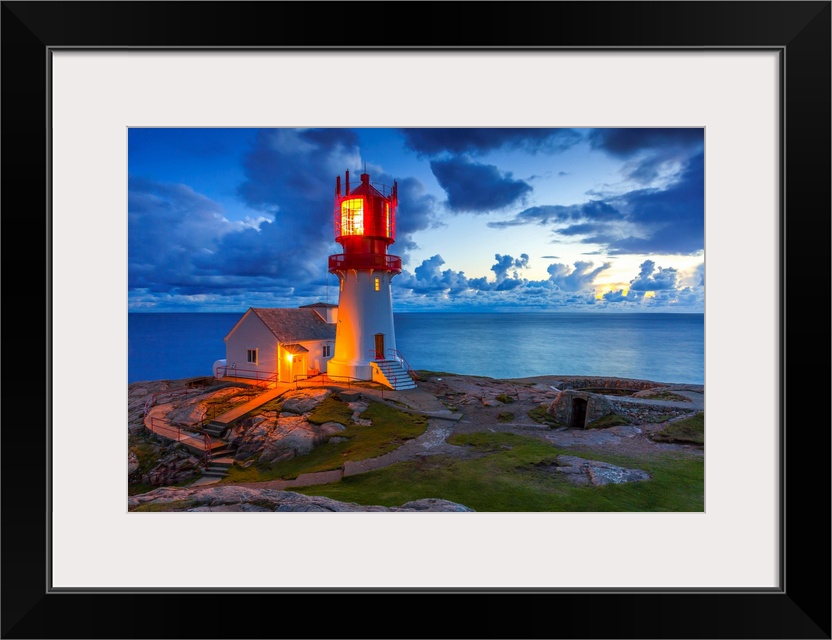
x=365 y=337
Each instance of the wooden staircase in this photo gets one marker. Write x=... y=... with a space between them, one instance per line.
x=222 y=459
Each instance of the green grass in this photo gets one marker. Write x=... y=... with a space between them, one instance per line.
x=667 y=395
x=505 y=416
x=390 y=429
x=137 y=488
x=541 y=414
x=609 y=420
x=505 y=479
x=331 y=410
x=505 y=398
x=166 y=506
x=688 y=430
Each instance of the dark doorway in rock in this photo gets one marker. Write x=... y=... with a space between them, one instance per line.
x=578 y=416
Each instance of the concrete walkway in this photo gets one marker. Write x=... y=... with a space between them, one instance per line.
x=414 y=401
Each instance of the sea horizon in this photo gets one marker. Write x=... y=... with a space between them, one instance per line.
x=665 y=347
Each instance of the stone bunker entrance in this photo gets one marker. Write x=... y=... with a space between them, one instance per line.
x=577 y=418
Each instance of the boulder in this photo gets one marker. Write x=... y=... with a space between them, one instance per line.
x=290 y=437
x=132 y=463
x=304 y=400
x=597 y=473
x=247 y=499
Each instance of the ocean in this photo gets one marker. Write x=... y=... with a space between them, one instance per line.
x=663 y=347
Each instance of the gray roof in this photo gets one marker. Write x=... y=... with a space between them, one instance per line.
x=296 y=325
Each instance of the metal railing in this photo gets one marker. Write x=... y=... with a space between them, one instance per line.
x=365 y=261
x=174 y=432
x=227 y=371
x=324 y=379
x=397 y=355
x=379 y=357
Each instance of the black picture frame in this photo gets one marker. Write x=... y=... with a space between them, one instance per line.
x=799 y=608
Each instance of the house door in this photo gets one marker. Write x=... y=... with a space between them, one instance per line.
x=379 y=346
x=298 y=366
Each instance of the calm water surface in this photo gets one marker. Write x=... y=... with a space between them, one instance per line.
x=652 y=346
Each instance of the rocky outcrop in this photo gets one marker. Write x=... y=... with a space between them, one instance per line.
x=581 y=471
x=175 y=465
x=132 y=466
x=304 y=401
x=274 y=436
x=199 y=407
x=246 y=499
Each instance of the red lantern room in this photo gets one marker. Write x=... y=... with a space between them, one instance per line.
x=365 y=225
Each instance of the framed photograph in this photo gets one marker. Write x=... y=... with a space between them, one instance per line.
x=752 y=78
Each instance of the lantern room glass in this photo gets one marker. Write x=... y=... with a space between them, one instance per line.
x=352 y=217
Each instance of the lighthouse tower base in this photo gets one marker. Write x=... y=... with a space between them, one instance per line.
x=339 y=371
x=365 y=339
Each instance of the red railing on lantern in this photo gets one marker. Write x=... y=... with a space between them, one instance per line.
x=381 y=261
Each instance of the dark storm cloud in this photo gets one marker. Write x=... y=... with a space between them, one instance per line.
x=417 y=211
x=649 y=151
x=592 y=210
x=648 y=221
x=476 y=187
x=181 y=242
x=170 y=228
x=671 y=220
x=625 y=142
x=477 y=141
x=291 y=174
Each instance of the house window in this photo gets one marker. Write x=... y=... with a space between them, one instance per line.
x=327 y=351
x=251 y=356
x=377 y=284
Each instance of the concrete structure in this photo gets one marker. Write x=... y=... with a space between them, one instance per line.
x=278 y=345
x=365 y=226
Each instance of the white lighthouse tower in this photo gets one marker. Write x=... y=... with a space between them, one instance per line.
x=365 y=338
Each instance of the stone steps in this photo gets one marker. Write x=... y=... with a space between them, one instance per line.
x=221 y=461
x=215 y=429
x=396 y=375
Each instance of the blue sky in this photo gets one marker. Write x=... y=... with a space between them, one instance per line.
x=489 y=219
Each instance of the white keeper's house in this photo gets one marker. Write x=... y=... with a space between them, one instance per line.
x=280 y=344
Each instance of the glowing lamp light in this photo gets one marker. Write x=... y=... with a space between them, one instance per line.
x=352 y=217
